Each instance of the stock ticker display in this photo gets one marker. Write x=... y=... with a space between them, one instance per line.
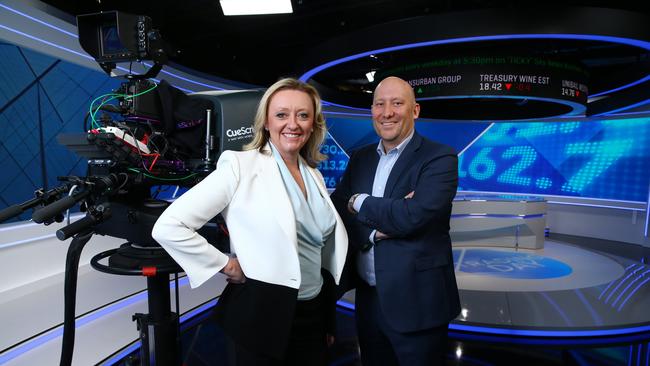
x=507 y=75
x=608 y=159
x=337 y=160
x=502 y=87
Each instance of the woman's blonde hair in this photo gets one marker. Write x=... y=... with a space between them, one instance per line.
x=311 y=151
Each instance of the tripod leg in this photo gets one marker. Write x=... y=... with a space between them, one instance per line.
x=159 y=328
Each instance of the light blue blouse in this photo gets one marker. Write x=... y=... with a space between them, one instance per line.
x=315 y=223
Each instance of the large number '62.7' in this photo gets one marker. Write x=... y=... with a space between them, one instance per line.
x=602 y=155
x=483 y=167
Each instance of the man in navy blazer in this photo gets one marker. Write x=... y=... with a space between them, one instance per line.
x=395 y=199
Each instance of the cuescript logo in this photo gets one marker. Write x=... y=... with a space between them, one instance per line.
x=504 y=264
x=243 y=131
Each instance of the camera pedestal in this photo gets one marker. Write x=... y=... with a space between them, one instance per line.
x=159 y=329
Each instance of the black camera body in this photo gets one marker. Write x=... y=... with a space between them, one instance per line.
x=111 y=37
x=140 y=137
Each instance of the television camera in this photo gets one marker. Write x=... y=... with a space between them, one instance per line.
x=140 y=137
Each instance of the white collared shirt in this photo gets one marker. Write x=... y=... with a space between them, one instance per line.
x=366 y=260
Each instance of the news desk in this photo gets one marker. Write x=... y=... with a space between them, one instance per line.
x=498 y=220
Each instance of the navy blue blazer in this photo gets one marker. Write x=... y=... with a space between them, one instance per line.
x=414 y=268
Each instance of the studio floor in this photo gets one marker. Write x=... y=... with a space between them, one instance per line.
x=577 y=301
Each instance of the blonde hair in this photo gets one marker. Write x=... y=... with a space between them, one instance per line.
x=311 y=151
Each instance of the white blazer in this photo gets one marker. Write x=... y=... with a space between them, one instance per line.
x=248 y=190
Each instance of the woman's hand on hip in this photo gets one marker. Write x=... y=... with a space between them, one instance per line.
x=233 y=271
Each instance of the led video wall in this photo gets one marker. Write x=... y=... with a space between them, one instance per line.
x=606 y=159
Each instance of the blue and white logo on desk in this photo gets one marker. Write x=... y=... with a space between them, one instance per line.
x=505 y=264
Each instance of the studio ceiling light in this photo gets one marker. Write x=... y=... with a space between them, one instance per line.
x=255 y=7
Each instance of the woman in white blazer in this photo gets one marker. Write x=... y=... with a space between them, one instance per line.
x=288 y=244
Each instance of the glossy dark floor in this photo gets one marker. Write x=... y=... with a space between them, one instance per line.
x=204 y=344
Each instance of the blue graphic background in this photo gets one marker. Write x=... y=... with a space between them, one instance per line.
x=505 y=264
x=605 y=159
x=601 y=159
x=333 y=168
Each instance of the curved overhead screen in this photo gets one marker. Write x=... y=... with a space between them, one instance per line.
x=517 y=87
x=479 y=62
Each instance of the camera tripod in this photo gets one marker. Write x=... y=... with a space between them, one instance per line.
x=159 y=329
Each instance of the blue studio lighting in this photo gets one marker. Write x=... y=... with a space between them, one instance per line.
x=620 y=40
x=326 y=103
x=117 y=357
x=86 y=56
x=577 y=109
x=38 y=21
x=535 y=332
x=43 y=338
x=594 y=315
x=81 y=54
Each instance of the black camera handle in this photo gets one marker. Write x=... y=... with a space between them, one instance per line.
x=41 y=198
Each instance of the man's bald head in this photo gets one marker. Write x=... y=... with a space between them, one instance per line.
x=394 y=111
x=401 y=83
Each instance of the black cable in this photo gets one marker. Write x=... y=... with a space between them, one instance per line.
x=160 y=151
x=70 y=295
x=138 y=148
x=126 y=180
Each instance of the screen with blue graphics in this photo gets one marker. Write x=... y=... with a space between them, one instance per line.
x=337 y=160
x=605 y=159
x=602 y=159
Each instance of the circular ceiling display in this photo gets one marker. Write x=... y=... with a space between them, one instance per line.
x=500 y=84
x=507 y=64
